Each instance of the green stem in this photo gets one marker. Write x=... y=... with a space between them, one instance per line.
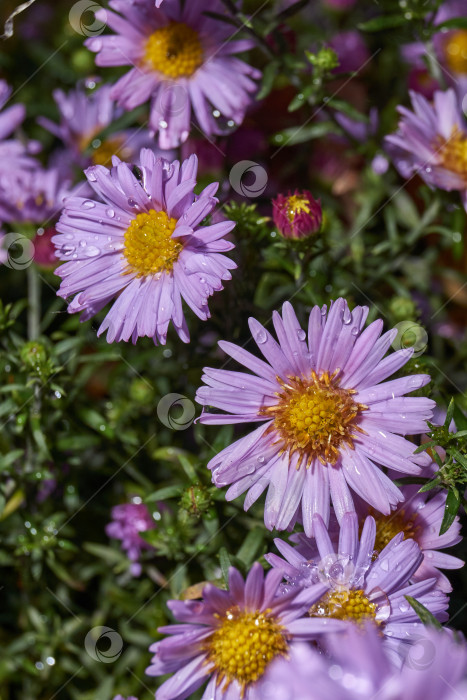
x=34 y=302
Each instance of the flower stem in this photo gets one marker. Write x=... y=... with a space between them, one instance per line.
x=34 y=302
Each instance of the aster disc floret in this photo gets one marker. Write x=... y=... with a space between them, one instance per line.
x=362 y=588
x=432 y=142
x=144 y=242
x=230 y=638
x=182 y=61
x=328 y=418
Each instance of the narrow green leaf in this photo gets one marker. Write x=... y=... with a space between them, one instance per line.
x=451 y=509
x=249 y=549
x=225 y=563
x=423 y=613
x=449 y=414
x=430 y=485
x=453 y=23
x=383 y=22
x=269 y=76
x=162 y=494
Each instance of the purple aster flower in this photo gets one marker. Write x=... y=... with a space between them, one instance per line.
x=181 y=60
x=356 y=668
x=128 y=520
x=419 y=518
x=230 y=637
x=327 y=416
x=359 y=587
x=83 y=115
x=143 y=242
x=432 y=142
x=13 y=153
x=297 y=215
x=34 y=195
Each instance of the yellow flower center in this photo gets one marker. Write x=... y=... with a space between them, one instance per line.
x=149 y=246
x=243 y=645
x=102 y=155
x=295 y=205
x=314 y=417
x=456 y=51
x=453 y=153
x=350 y=605
x=388 y=526
x=174 y=50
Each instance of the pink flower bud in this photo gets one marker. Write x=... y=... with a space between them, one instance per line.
x=297 y=215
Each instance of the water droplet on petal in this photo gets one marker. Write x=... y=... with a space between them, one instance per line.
x=301 y=335
x=91 y=251
x=110 y=213
x=88 y=204
x=261 y=336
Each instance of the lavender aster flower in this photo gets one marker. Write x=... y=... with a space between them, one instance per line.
x=230 y=638
x=143 y=242
x=432 y=142
x=419 y=517
x=13 y=153
x=83 y=115
x=129 y=519
x=34 y=195
x=327 y=416
x=361 y=589
x=356 y=668
x=181 y=60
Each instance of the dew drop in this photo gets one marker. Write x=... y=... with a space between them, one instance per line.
x=301 y=335
x=91 y=251
x=88 y=204
x=110 y=213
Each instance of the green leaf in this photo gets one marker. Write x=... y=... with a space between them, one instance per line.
x=451 y=509
x=459 y=418
x=162 y=494
x=383 y=22
x=269 y=76
x=347 y=109
x=294 y=135
x=225 y=563
x=430 y=485
x=423 y=613
x=249 y=549
x=453 y=23
x=449 y=414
